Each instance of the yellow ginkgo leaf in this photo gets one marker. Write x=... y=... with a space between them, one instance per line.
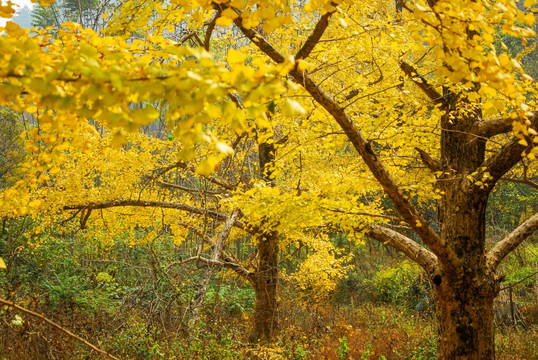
x=2 y=264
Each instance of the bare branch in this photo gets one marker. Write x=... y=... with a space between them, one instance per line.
x=421 y=82
x=409 y=214
x=412 y=249
x=492 y=127
x=520 y=181
x=228 y=259
x=59 y=327
x=314 y=37
x=189 y=167
x=511 y=241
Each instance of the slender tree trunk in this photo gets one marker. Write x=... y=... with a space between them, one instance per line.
x=266 y=277
x=265 y=287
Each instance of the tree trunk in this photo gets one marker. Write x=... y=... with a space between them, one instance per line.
x=464 y=295
x=265 y=287
x=465 y=321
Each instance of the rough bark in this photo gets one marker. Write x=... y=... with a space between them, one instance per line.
x=465 y=319
x=265 y=279
x=265 y=287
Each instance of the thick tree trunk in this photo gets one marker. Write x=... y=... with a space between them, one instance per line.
x=464 y=296
x=265 y=287
x=465 y=321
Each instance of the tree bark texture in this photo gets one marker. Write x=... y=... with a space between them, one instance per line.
x=265 y=287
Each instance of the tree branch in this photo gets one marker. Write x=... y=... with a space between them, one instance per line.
x=157 y=204
x=209 y=30
x=511 y=241
x=421 y=82
x=189 y=167
x=497 y=126
x=505 y=159
x=228 y=259
x=431 y=163
x=412 y=249
x=59 y=327
x=520 y=181
x=363 y=147
x=314 y=37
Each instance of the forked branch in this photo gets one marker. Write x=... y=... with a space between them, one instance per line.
x=363 y=147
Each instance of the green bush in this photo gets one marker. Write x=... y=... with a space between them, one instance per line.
x=400 y=284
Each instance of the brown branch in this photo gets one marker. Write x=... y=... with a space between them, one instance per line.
x=186 y=189
x=209 y=30
x=412 y=249
x=59 y=327
x=431 y=163
x=409 y=214
x=189 y=167
x=388 y=217
x=497 y=126
x=511 y=241
x=314 y=37
x=492 y=127
x=505 y=159
x=421 y=82
x=520 y=181
x=158 y=204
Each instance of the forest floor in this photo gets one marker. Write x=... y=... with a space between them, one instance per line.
x=359 y=332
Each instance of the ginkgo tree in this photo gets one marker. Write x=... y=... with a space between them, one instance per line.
x=474 y=98
x=424 y=92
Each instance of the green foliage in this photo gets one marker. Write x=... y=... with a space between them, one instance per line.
x=399 y=284
x=520 y=266
x=206 y=345
x=12 y=151
x=300 y=353
x=236 y=300
x=85 y=12
x=425 y=350
x=137 y=339
x=343 y=348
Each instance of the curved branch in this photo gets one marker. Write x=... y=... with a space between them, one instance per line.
x=157 y=204
x=412 y=249
x=363 y=147
x=511 y=241
x=59 y=327
x=520 y=181
x=228 y=259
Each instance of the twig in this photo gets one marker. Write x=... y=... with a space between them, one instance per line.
x=50 y=322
